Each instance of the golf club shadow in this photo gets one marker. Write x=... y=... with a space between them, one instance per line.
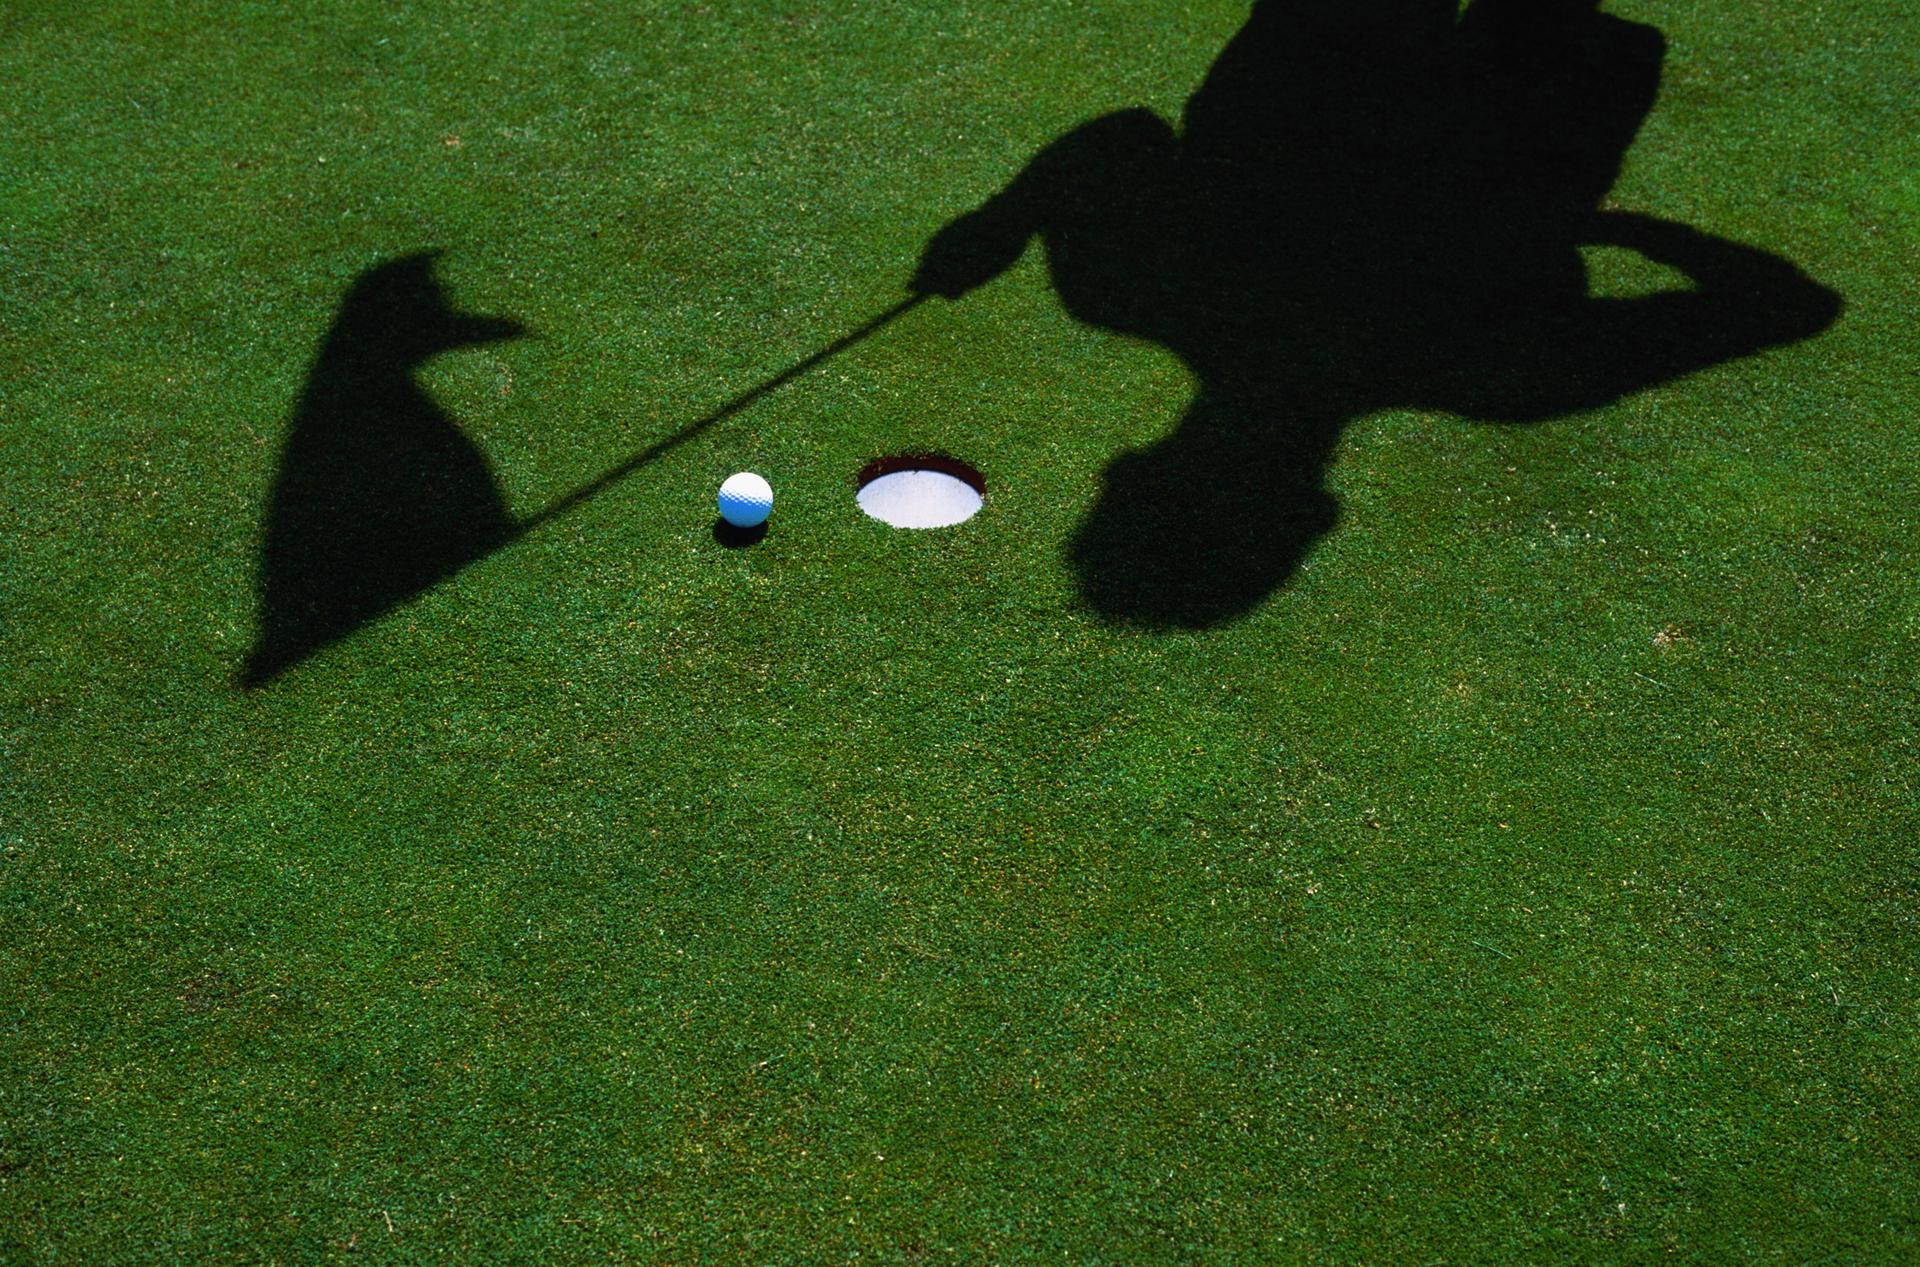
x=379 y=493
x=380 y=496
x=736 y=538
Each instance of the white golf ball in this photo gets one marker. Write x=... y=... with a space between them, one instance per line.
x=746 y=500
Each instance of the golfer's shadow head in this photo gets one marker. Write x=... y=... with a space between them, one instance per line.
x=379 y=493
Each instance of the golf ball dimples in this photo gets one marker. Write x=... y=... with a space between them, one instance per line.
x=746 y=500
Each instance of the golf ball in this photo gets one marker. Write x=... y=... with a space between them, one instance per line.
x=746 y=500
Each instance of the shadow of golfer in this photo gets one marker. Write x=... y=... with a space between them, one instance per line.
x=1372 y=204
x=379 y=495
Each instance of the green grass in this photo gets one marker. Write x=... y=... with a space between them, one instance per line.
x=1532 y=878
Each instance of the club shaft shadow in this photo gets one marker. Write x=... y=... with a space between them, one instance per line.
x=654 y=452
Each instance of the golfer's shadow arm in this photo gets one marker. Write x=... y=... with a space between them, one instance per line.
x=1086 y=166
x=1744 y=301
x=973 y=249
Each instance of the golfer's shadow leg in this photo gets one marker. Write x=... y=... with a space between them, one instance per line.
x=1199 y=529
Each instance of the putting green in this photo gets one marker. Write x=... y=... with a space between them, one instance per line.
x=1490 y=838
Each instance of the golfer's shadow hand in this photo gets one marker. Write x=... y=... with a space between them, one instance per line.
x=970 y=252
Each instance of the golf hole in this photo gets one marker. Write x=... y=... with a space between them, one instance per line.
x=920 y=491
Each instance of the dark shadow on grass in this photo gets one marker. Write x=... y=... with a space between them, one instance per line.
x=734 y=537
x=379 y=495
x=1372 y=204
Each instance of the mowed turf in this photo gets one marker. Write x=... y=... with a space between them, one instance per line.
x=1532 y=877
